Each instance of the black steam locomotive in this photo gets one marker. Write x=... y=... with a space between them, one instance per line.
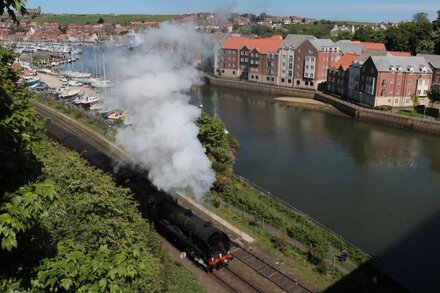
x=198 y=239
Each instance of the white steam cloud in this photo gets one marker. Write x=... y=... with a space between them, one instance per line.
x=152 y=85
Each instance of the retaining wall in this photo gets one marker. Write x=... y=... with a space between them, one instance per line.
x=262 y=88
x=381 y=117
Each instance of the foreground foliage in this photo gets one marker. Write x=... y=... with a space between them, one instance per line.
x=64 y=225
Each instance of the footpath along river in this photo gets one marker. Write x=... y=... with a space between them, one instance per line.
x=377 y=186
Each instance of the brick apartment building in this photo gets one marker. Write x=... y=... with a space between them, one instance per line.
x=313 y=58
x=250 y=59
x=286 y=59
x=434 y=63
x=391 y=80
x=337 y=75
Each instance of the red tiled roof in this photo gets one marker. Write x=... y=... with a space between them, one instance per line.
x=262 y=45
x=233 y=42
x=398 y=53
x=371 y=46
x=345 y=61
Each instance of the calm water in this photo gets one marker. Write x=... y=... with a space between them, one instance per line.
x=378 y=187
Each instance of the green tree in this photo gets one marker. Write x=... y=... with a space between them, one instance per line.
x=13 y=6
x=397 y=39
x=100 y=20
x=345 y=35
x=434 y=94
x=415 y=100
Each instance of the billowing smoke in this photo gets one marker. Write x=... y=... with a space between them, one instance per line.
x=153 y=82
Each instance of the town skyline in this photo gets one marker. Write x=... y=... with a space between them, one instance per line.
x=374 y=11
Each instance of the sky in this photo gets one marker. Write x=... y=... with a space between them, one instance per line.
x=371 y=10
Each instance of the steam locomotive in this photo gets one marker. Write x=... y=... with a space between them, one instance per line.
x=198 y=239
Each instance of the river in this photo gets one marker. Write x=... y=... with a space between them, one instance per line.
x=377 y=186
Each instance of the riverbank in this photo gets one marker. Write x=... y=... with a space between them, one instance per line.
x=329 y=104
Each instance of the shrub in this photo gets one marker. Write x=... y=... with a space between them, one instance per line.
x=383 y=108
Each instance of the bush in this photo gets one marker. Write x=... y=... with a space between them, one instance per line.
x=383 y=108
x=217 y=200
x=280 y=243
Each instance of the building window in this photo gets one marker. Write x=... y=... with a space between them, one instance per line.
x=382 y=93
x=407 y=101
x=257 y=62
x=419 y=92
x=397 y=92
x=396 y=101
x=272 y=79
x=391 y=81
x=384 y=82
x=289 y=81
x=223 y=71
x=306 y=83
x=256 y=76
x=256 y=54
x=307 y=58
x=389 y=100
x=311 y=75
x=390 y=92
x=283 y=71
x=398 y=82
x=252 y=61
x=299 y=50
x=233 y=72
x=290 y=58
x=307 y=66
x=297 y=74
x=310 y=51
x=297 y=82
x=312 y=59
x=282 y=80
x=290 y=73
x=267 y=78
x=252 y=54
x=312 y=67
x=306 y=74
x=409 y=81
x=311 y=83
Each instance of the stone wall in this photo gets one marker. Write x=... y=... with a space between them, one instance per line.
x=262 y=88
x=380 y=117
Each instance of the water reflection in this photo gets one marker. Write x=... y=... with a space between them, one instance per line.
x=359 y=179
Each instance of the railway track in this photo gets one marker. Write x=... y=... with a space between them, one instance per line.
x=231 y=278
x=265 y=269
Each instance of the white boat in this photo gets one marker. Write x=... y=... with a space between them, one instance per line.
x=74 y=83
x=86 y=101
x=76 y=74
x=30 y=80
x=69 y=93
x=98 y=106
x=102 y=84
x=63 y=79
x=117 y=115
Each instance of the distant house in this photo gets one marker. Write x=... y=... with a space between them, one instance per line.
x=334 y=32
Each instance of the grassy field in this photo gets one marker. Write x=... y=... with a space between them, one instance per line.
x=108 y=18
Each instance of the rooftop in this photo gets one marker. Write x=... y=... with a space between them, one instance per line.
x=434 y=60
x=371 y=46
x=389 y=63
x=345 y=61
x=296 y=40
